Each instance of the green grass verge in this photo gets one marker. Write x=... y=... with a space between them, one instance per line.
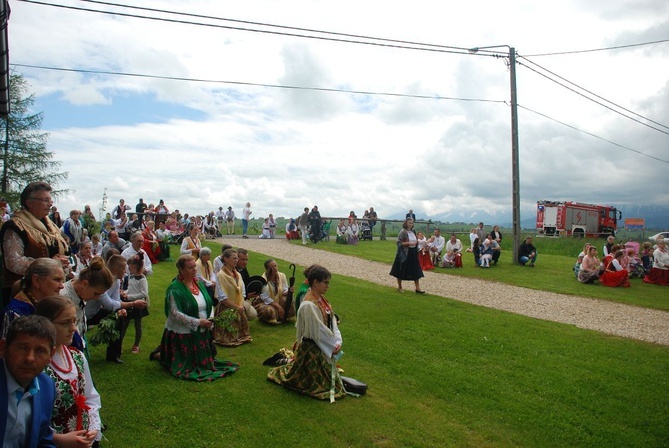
x=440 y=373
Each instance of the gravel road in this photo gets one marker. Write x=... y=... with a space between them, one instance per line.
x=592 y=314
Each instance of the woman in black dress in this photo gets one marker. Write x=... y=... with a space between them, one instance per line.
x=406 y=266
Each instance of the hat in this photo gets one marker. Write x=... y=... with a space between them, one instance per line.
x=255 y=284
x=229 y=208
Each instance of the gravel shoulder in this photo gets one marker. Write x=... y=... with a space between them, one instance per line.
x=592 y=314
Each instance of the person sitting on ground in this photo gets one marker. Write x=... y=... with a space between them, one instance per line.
x=230 y=291
x=608 y=247
x=590 y=266
x=353 y=233
x=577 y=265
x=647 y=256
x=614 y=274
x=424 y=256
x=493 y=246
x=185 y=350
x=265 y=230
x=453 y=257
x=659 y=273
x=291 y=230
x=209 y=226
x=28 y=394
x=44 y=277
x=527 y=252
x=437 y=246
x=75 y=418
x=205 y=272
x=341 y=232
x=270 y=305
x=476 y=251
x=191 y=245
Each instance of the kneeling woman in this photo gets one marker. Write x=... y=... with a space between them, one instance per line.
x=313 y=371
x=230 y=292
x=185 y=349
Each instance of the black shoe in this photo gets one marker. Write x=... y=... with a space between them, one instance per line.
x=116 y=360
x=155 y=355
x=418 y=291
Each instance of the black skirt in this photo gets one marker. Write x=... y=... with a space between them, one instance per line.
x=410 y=269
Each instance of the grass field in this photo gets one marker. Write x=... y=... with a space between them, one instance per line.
x=440 y=373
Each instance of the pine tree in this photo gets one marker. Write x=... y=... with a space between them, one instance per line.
x=25 y=157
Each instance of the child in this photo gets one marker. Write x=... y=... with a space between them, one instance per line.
x=424 y=258
x=138 y=289
x=647 y=256
x=96 y=246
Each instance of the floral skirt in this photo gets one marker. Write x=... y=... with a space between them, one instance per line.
x=189 y=357
x=309 y=373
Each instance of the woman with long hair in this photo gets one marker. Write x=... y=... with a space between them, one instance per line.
x=406 y=266
x=185 y=349
x=76 y=413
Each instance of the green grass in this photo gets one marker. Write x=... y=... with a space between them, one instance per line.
x=440 y=373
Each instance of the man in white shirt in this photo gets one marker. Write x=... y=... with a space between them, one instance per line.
x=136 y=242
x=246 y=215
x=437 y=246
x=453 y=257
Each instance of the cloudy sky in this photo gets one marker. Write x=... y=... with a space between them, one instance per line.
x=427 y=130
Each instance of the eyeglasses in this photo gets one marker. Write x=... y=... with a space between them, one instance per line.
x=45 y=200
x=66 y=323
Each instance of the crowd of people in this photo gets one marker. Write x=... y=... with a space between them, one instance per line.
x=621 y=262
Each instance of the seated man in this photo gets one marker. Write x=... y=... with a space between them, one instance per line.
x=453 y=257
x=527 y=252
x=135 y=248
x=164 y=238
x=436 y=246
x=114 y=242
x=209 y=226
x=493 y=247
x=28 y=394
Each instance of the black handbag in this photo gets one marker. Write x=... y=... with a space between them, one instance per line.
x=353 y=386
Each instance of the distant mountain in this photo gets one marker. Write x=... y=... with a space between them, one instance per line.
x=657 y=217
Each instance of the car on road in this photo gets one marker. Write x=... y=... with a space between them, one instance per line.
x=664 y=235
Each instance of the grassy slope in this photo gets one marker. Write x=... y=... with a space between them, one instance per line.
x=440 y=373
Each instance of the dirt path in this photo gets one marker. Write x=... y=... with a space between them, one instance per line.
x=593 y=314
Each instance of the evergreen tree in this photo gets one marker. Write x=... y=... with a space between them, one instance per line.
x=25 y=157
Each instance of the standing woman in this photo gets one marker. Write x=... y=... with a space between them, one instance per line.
x=75 y=418
x=313 y=371
x=406 y=266
x=185 y=349
x=44 y=277
x=231 y=291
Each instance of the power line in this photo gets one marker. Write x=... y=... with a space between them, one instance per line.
x=618 y=47
x=591 y=99
x=593 y=135
x=378 y=42
x=253 y=84
x=594 y=94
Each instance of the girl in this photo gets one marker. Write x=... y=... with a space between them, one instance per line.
x=76 y=414
x=138 y=289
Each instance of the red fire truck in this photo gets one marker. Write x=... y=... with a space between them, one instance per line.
x=572 y=218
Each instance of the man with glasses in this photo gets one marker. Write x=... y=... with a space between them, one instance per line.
x=30 y=234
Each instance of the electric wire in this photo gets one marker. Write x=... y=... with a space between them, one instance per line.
x=591 y=99
x=254 y=84
x=593 y=135
x=420 y=47
x=592 y=93
x=618 y=47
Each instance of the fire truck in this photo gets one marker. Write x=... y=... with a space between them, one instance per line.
x=575 y=219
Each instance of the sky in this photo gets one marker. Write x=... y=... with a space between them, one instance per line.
x=425 y=130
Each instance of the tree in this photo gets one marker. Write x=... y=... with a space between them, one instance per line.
x=25 y=157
